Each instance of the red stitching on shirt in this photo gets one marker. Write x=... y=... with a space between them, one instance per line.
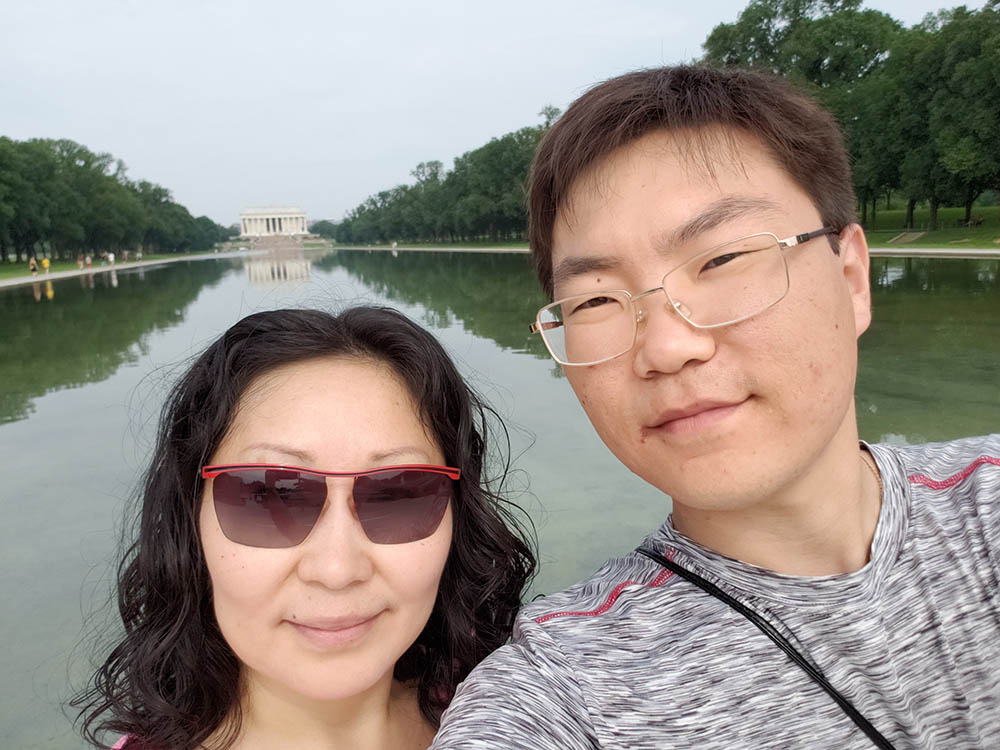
x=660 y=579
x=951 y=481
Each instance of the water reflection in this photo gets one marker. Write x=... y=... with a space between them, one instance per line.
x=935 y=275
x=929 y=364
x=494 y=295
x=90 y=329
x=279 y=268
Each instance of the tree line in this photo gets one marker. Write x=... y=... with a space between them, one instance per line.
x=61 y=199
x=919 y=106
x=481 y=197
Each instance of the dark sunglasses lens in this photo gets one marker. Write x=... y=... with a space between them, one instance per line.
x=268 y=507
x=396 y=507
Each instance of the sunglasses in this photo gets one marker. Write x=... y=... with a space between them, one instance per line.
x=263 y=505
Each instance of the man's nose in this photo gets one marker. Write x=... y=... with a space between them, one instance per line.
x=665 y=341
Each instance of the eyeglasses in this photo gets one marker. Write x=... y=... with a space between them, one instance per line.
x=262 y=505
x=718 y=287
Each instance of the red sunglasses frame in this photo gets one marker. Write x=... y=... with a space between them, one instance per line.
x=210 y=472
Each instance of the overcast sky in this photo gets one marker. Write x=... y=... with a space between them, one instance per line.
x=318 y=104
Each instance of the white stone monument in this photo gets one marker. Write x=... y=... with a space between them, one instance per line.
x=275 y=220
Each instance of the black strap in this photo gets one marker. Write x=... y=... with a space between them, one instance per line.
x=771 y=632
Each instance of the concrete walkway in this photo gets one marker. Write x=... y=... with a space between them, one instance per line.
x=876 y=252
x=935 y=252
x=25 y=280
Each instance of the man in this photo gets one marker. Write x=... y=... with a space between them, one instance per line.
x=696 y=228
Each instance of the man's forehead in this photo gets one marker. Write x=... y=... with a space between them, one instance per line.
x=703 y=157
x=716 y=170
x=701 y=154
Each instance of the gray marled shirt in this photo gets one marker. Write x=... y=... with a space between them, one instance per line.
x=636 y=657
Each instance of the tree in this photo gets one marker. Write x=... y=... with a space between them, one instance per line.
x=759 y=35
x=549 y=115
x=324 y=228
x=964 y=111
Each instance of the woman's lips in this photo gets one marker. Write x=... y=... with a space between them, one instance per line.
x=337 y=631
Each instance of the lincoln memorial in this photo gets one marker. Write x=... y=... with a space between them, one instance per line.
x=267 y=222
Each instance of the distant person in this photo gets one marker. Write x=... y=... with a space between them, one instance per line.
x=45 y=264
x=88 y=260
x=138 y=254
x=267 y=605
x=696 y=228
x=111 y=258
x=32 y=265
x=79 y=261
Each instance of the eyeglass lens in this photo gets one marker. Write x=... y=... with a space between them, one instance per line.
x=724 y=285
x=279 y=507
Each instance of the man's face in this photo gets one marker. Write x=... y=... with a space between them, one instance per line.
x=717 y=418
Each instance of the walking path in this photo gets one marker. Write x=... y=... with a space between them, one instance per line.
x=24 y=280
x=934 y=252
x=876 y=252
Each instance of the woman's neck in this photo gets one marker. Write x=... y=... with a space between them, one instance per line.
x=385 y=716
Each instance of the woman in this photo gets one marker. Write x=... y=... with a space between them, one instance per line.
x=319 y=561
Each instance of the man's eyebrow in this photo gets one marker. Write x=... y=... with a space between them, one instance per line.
x=715 y=214
x=569 y=268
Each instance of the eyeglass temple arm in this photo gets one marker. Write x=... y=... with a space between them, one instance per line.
x=547 y=326
x=800 y=238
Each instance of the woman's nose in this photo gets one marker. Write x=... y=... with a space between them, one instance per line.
x=336 y=554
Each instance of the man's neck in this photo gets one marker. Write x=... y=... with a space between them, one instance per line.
x=820 y=522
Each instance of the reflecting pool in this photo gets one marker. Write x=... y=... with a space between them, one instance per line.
x=85 y=363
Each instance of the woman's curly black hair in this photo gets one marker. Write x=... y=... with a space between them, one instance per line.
x=172 y=680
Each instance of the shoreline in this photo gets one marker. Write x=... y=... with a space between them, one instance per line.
x=968 y=253
x=74 y=273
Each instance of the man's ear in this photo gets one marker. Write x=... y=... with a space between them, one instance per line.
x=854 y=259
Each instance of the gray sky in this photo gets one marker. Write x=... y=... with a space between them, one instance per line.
x=318 y=104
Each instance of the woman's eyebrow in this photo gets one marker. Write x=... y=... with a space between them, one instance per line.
x=407 y=450
x=304 y=456
x=716 y=213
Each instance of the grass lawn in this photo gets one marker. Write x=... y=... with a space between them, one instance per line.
x=981 y=236
x=951 y=233
x=949 y=217
x=10 y=270
x=13 y=269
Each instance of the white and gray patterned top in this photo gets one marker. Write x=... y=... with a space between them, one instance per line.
x=636 y=657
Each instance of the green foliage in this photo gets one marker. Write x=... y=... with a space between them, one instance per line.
x=919 y=106
x=482 y=197
x=58 y=197
x=324 y=228
x=97 y=326
x=483 y=291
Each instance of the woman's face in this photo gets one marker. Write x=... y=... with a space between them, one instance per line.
x=329 y=617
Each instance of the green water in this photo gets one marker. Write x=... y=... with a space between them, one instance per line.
x=83 y=374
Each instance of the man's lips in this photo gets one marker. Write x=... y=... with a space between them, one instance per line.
x=698 y=415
